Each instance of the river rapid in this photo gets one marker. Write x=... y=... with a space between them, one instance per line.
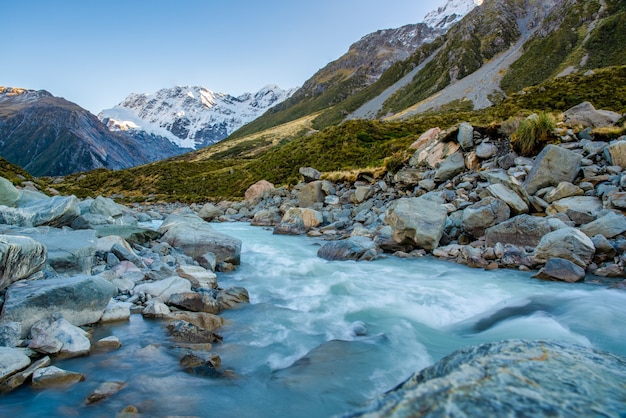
x=321 y=338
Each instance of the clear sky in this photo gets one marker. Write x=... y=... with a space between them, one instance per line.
x=95 y=53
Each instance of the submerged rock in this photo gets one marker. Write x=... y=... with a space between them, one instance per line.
x=523 y=378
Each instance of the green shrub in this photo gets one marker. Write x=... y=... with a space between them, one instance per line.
x=533 y=133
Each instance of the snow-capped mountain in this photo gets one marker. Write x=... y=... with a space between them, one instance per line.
x=450 y=13
x=191 y=117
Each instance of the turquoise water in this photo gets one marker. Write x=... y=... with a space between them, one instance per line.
x=321 y=338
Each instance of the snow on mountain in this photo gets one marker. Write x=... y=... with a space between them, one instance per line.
x=191 y=116
x=450 y=13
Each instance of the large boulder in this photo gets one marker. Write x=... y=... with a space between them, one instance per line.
x=553 y=165
x=484 y=214
x=56 y=211
x=20 y=257
x=354 y=248
x=451 y=166
x=196 y=237
x=69 y=252
x=586 y=115
x=417 y=221
x=609 y=226
x=521 y=231
x=81 y=300
x=310 y=194
x=55 y=335
x=256 y=191
x=561 y=269
x=9 y=195
x=504 y=193
x=567 y=243
x=298 y=221
x=511 y=378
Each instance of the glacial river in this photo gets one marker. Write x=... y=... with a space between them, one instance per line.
x=321 y=338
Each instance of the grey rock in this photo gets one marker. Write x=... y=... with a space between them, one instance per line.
x=232 y=297
x=523 y=378
x=552 y=166
x=9 y=195
x=451 y=166
x=408 y=177
x=10 y=333
x=207 y=260
x=196 y=237
x=586 y=115
x=563 y=189
x=354 y=248
x=515 y=202
x=617 y=153
x=484 y=214
x=81 y=300
x=56 y=211
x=183 y=331
x=104 y=391
x=163 y=289
x=53 y=376
x=465 y=137
x=266 y=217
x=155 y=309
x=55 y=335
x=310 y=194
x=20 y=257
x=17 y=379
x=486 y=150
x=298 y=221
x=609 y=226
x=69 y=252
x=106 y=207
x=567 y=243
x=417 y=221
x=116 y=311
x=108 y=343
x=561 y=269
x=194 y=302
x=124 y=252
x=309 y=174
x=522 y=230
x=209 y=211
x=580 y=209
x=12 y=360
x=130 y=233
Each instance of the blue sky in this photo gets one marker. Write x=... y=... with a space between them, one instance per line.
x=95 y=53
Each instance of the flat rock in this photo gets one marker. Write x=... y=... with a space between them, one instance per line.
x=609 y=226
x=511 y=378
x=163 y=289
x=53 y=376
x=116 y=311
x=198 y=276
x=12 y=360
x=16 y=380
x=515 y=202
x=81 y=300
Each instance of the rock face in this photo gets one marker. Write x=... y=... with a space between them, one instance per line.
x=532 y=378
x=81 y=300
x=417 y=221
x=196 y=237
x=19 y=258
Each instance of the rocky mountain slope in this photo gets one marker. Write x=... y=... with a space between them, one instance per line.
x=50 y=136
x=190 y=117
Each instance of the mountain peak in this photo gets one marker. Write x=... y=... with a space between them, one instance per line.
x=450 y=13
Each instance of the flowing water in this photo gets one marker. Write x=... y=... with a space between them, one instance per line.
x=321 y=338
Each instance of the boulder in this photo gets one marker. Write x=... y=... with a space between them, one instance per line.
x=563 y=189
x=81 y=300
x=486 y=150
x=521 y=231
x=155 y=309
x=198 y=276
x=452 y=166
x=203 y=320
x=12 y=360
x=586 y=115
x=465 y=136
x=484 y=214
x=232 y=297
x=116 y=311
x=55 y=335
x=580 y=209
x=257 y=190
x=209 y=211
x=194 y=302
x=362 y=193
x=617 y=153
x=20 y=257
x=609 y=226
x=433 y=154
x=106 y=207
x=354 y=248
x=56 y=211
x=266 y=217
x=53 y=376
x=552 y=166
x=515 y=377
x=561 y=269
x=515 y=202
x=163 y=289
x=9 y=195
x=16 y=380
x=567 y=243
x=69 y=252
x=298 y=221
x=196 y=237
x=417 y=221
x=310 y=194
x=130 y=233
x=425 y=138
x=408 y=177
x=309 y=174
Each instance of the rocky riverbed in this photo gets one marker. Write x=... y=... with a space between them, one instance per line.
x=67 y=264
